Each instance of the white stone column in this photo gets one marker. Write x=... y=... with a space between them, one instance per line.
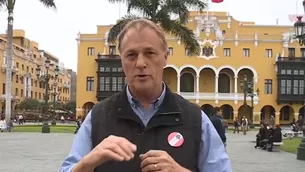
x=235 y=84
x=178 y=84
x=216 y=84
x=197 y=84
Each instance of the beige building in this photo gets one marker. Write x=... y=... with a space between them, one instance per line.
x=25 y=83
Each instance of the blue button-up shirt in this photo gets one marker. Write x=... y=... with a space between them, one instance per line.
x=212 y=156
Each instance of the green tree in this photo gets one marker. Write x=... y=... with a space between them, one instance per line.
x=10 y=5
x=161 y=12
x=29 y=104
x=70 y=106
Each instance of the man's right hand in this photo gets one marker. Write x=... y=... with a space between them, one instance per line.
x=112 y=148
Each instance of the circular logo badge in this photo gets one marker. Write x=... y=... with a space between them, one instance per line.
x=175 y=139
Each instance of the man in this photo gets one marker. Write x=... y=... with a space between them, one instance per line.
x=244 y=125
x=146 y=127
x=271 y=121
x=219 y=124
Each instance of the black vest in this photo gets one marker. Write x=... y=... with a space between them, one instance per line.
x=114 y=116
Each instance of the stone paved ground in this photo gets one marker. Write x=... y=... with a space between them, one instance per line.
x=35 y=152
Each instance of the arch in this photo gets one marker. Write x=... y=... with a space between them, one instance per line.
x=286 y=114
x=207 y=67
x=223 y=83
x=173 y=67
x=87 y=107
x=244 y=110
x=266 y=113
x=247 y=67
x=188 y=66
x=226 y=67
x=187 y=82
x=208 y=109
x=227 y=111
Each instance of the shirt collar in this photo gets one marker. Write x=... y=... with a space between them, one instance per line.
x=156 y=103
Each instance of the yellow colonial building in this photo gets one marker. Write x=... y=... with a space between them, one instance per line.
x=25 y=83
x=232 y=50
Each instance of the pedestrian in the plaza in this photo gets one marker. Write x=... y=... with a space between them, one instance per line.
x=244 y=125
x=2 y=124
x=219 y=124
x=146 y=127
x=236 y=124
x=300 y=123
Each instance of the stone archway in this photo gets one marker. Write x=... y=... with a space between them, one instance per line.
x=87 y=107
x=208 y=109
x=244 y=110
x=225 y=80
x=170 y=78
x=187 y=80
x=286 y=114
x=266 y=113
x=227 y=112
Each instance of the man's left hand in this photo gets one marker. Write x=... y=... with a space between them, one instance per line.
x=157 y=160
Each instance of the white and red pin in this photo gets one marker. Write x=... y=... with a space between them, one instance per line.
x=175 y=139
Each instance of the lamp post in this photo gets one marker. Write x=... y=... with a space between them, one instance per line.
x=45 y=78
x=299 y=27
x=249 y=91
x=55 y=92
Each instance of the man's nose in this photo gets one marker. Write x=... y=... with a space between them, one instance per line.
x=141 y=61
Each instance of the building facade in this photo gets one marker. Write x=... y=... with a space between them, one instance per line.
x=73 y=84
x=231 y=51
x=25 y=83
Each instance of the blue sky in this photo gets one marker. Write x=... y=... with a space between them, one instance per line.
x=56 y=31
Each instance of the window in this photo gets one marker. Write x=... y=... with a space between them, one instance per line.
x=112 y=50
x=296 y=87
x=301 y=86
x=17 y=78
x=90 y=51
x=107 y=69
x=246 y=52
x=107 y=83
x=268 y=52
x=102 y=69
x=114 y=83
x=288 y=86
x=302 y=52
x=187 y=52
x=120 y=84
x=21 y=93
x=114 y=69
x=16 y=92
x=268 y=86
x=90 y=83
x=283 y=72
x=291 y=52
x=283 y=87
x=102 y=84
x=170 y=51
x=227 y=52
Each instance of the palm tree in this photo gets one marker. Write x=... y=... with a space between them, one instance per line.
x=161 y=12
x=10 y=4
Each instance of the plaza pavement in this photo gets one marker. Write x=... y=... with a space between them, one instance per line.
x=36 y=152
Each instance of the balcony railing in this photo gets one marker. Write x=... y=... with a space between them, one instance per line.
x=291 y=59
x=215 y=96
x=108 y=56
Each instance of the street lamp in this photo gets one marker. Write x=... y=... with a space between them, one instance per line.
x=45 y=78
x=299 y=27
x=249 y=91
x=55 y=92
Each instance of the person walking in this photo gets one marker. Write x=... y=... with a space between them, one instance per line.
x=146 y=127
x=219 y=124
x=244 y=125
x=236 y=124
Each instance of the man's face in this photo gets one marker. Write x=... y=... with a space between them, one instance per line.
x=143 y=59
x=220 y=112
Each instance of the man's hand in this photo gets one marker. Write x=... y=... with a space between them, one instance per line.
x=156 y=160
x=112 y=148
